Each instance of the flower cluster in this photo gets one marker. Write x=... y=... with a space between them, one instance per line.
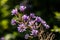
x=30 y=22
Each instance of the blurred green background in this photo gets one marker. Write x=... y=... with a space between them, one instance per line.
x=49 y=10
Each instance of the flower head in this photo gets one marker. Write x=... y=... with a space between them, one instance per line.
x=32 y=15
x=38 y=19
x=21 y=28
x=47 y=26
x=25 y=17
x=26 y=36
x=14 y=11
x=13 y=22
x=34 y=32
x=22 y=8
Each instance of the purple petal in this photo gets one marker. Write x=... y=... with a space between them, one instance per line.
x=21 y=28
x=25 y=17
x=34 y=33
x=26 y=36
x=47 y=26
x=14 y=11
x=38 y=19
x=13 y=22
x=31 y=22
x=32 y=15
x=22 y=8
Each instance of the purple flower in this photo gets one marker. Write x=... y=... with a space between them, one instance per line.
x=32 y=15
x=47 y=26
x=13 y=22
x=25 y=17
x=26 y=36
x=34 y=32
x=14 y=11
x=2 y=38
x=38 y=19
x=31 y=22
x=22 y=8
x=21 y=28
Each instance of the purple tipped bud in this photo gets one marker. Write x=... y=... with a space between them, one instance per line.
x=26 y=36
x=21 y=28
x=22 y=8
x=13 y=22
x=34 y=33
x=38 y=19
x=47 y=26
x=25 y=17
x=14 y=11
x=32 y=15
